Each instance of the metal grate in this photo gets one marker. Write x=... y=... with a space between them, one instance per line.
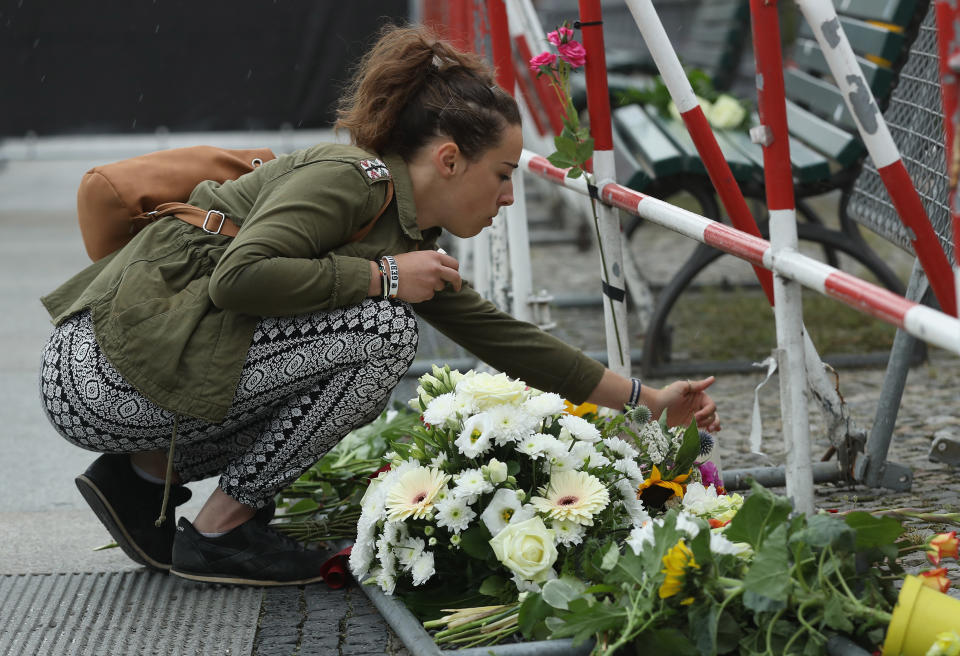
x=136 y=612
x=915 y=118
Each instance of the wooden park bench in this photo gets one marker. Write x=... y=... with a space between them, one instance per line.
x=656 y=156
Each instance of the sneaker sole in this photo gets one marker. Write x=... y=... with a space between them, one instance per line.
x=239 y=580
x=108 y=517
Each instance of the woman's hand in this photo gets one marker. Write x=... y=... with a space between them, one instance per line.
x=684 y=399
x=424 y=273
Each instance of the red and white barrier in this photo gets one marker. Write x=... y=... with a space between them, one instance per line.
x=948 y=49
x=842 y=61
x=923 y=322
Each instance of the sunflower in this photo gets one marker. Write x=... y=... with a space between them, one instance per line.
x=676 y=562
x=572 y=496
x=413 y=493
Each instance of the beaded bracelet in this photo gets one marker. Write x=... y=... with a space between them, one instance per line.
x=394 y=270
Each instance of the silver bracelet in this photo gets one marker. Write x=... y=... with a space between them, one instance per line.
x=384 y=281
x=394 y=272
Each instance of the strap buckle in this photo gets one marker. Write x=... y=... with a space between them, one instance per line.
x=223 y=218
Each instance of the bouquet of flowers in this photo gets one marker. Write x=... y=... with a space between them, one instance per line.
x=503 y=488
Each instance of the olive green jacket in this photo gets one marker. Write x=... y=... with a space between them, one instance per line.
x=175 y=309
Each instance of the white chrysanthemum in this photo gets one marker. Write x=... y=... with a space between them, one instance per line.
x=706 y=503
x=439 y=460
x=634 y=506
x=544 y=405
x=573 y=496
x=423 y=569
x=580 y=428
x=654 y=442
x=568 y=533
x=641 y=536
x=361 y=557
x=409 y=550
x=587 y=455
x=475 y=437
x=387 y=581
x=509 y=423
x=688 y=524
x=631 y=470
x=564 y=463
x=621 y=448
x=454 y=514
x=464 y=405
x=441 y=410
x=534 y=445
x=555 y=448
x=504 y=508
x=471 y=483
x=413 y=493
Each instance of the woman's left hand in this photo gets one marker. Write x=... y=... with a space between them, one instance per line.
x=684 y=399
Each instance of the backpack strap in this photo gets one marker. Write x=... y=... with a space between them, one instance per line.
x=217 y=223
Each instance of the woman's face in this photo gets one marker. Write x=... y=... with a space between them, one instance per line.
x=485 y=185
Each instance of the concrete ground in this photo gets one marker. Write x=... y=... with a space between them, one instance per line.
x=58 y=595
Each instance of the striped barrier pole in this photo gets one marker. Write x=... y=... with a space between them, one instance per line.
x=674 y=77
x=822 y=17
x=515 y=231
x=788 y=309
x=598 y=105
x=948 y=49
x=930 y=325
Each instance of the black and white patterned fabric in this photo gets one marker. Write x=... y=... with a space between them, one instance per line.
x=307 y=381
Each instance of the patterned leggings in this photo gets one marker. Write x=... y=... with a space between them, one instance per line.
x=307 y=381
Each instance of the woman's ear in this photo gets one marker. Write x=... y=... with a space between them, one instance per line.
x=446 y=158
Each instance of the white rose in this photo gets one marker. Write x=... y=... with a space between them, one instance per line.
x=727 y=112
x=496 y=471
x=487 y=391
x=527 y=549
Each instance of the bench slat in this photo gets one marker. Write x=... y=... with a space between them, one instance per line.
x=819 y=96
x=866 y=39
x=897 y=12
x=740 y=165
x=648 y=144
x=823 y=136
x=807 y=164
x=808 y=56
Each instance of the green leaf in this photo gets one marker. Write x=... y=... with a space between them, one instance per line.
x=566 y=144
x=475 y=541
x=560 y=592
x=492 y=586
x=582 y=620
x=769 y=574
x=759 y=603
x=702 y=619
x=874 y=531
x=610 y=558
x=584 y=150
x=825 y=531
x=303 y=506
x=533 y=610
x=836 y=616
x=575 y=172
x=760 y=514
x=728 y=633
x=560 y=161
x=667 y=641
x=688 y=452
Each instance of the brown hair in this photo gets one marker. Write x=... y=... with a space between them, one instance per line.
x=412 y=86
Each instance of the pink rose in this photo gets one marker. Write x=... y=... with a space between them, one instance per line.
x=573 y=53
x=543 y=59
x=560 y=35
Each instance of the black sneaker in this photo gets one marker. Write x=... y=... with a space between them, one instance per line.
x=128 y=505
x=250 y=554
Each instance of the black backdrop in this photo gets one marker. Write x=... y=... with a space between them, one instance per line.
x=128 y=66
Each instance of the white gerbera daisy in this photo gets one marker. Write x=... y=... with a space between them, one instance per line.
x=441 y=410
x=580 y=428
x=471 y=483
x=509 y=423
x=544 y=405
x=568 y=533
x=574 y=496
x=454 y=514
x=413 y=493
x=475 y=437
x=423 y=568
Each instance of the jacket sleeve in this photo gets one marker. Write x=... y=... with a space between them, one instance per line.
x=516 y=347
x=280 y=262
